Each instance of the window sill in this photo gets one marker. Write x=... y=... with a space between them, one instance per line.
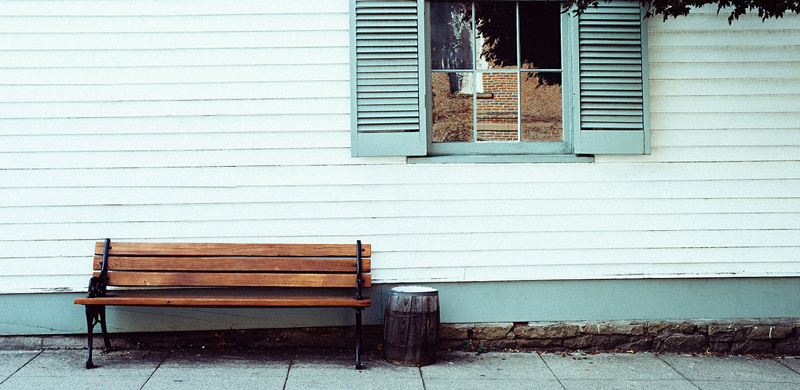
x=501 y=159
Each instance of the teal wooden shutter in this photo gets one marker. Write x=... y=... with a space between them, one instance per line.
x=612 y=92
x=387 y=103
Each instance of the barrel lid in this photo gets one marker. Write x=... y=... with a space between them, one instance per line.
x=414 y=290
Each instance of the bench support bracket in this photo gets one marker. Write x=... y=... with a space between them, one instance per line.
x=96 y=314
x=358 y=339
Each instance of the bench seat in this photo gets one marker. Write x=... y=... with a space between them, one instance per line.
x=224 y=301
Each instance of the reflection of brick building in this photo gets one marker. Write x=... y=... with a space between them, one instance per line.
x=497 y=107
x=497 y=103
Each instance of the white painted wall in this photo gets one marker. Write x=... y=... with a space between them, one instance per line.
x=228 y=120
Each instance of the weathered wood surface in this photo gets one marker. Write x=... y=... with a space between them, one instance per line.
x=222 y=301
x=232 y=279
x=230 y=249
x=411 y=329
x=164 y=263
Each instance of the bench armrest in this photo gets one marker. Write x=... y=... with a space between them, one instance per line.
x=98 y=284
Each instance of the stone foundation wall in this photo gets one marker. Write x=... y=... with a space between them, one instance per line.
x=780 y=336
x=774 y=336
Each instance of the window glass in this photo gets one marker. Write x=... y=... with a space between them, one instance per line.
x=495 y=35
x=451 y=36
x=497 y=107
x=452 y=112
x=539 y=24
x=480 y=91
x=541 y=106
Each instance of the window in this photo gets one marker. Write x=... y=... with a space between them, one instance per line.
x=444 y=78
x=496 y=78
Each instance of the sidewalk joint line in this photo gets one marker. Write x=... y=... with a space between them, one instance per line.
x=551 y=370
x=163 y=359
x=422 y=378
x=289 y=369
x=780 y=361
x=21 y=367
x=658 y=356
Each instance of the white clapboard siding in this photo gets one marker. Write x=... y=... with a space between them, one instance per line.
x=113 y=127
x=229 y=121
x=165 y=7
x=257 y=70
x=170 y=209
x=72 y=24
x=175 y=91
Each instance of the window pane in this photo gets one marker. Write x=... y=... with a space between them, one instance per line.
x=452 y=106
x=496 y=35
x=539 y=25
x=497 y=107
x=451 y=42
x=541 y=106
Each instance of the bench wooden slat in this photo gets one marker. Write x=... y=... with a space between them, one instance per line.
x=221 y=301
x=232 y=279
x=228 y=249
x=300 y=264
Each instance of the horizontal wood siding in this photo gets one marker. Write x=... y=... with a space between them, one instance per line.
x=229 y=121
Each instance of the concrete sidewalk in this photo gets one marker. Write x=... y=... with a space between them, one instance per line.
x=331 y=369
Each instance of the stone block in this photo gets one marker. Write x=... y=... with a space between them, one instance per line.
x=540 y=343
x=614 y=327
x=541 y=330
x=492 y=331
x=767 y=332
x=719 y=347
x=499 y=344
x=659 y=327
x=679 y=342
x=455 y=331
x=589 y=341
x=630 y=343
x=752 y=346
x=788 y=346
x=726 y=332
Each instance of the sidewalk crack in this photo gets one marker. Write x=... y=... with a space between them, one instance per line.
x=21 y=367
x=163 y=359
x=780 y=361
x=551 y=371
x=422 y=378
x=288 y=370
x=676 y=370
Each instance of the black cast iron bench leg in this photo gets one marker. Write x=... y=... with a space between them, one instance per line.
x=358 y=339
x=95 y=315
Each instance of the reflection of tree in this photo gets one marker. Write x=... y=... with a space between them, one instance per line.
x=450 y=47
x=540 y=35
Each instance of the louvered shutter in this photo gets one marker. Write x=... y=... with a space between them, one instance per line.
x=613 y=97
x=387 y=105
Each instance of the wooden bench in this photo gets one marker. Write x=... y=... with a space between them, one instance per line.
x=142 y=265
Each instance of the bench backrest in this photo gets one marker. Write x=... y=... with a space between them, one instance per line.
x=229 y=265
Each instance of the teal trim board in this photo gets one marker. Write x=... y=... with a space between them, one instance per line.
x=590 y=300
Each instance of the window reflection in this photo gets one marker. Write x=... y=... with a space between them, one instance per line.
x=451 y=36
x=495 y=35
x=541 y=106
x=496 y=71
x=497 y=107
x=452 y=106
x=540 y=27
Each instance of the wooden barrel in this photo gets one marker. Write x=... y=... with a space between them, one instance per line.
x=411 y=325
